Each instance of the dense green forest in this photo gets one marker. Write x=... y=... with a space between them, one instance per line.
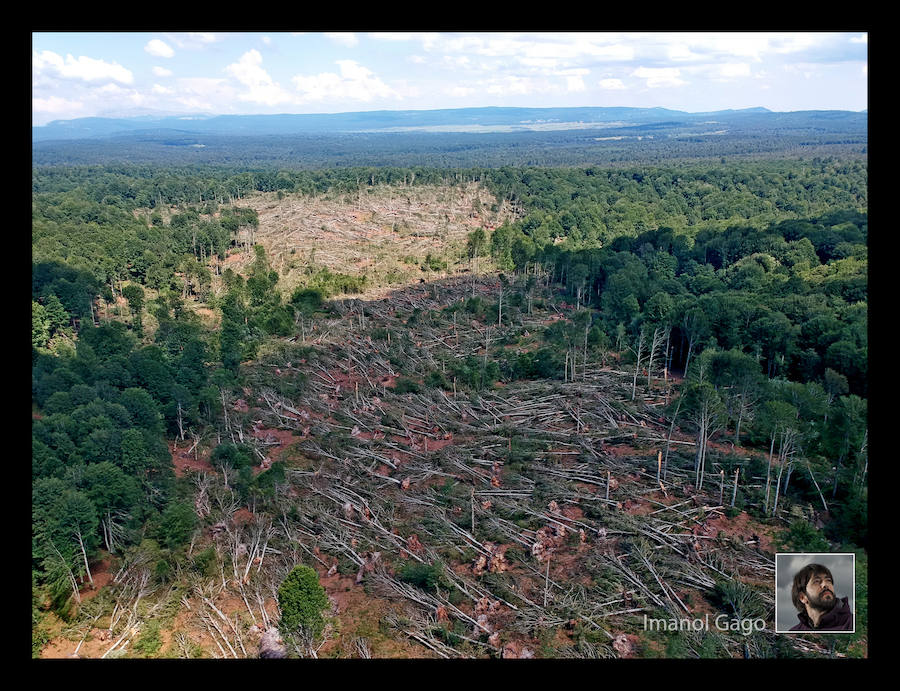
x=647 y=138
x=753 y=274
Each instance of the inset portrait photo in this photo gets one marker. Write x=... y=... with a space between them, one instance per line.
x=814 y=593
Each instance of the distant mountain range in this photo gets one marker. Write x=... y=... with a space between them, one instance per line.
x=491 y=119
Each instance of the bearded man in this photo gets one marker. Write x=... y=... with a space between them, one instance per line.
x=818 y=608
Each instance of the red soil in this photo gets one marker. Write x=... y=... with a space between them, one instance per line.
x=356 y=611
x=185 y=462
x=620 y=450
x=637 y=507
x=284 y=438
x=242 y=517
x=438 y=444
x=743 y=527
x=573 y=512
x=101 y=575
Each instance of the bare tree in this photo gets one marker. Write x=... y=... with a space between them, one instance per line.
x=638 y=350
x=786 y=451
x=660 y=334
x=707 y=412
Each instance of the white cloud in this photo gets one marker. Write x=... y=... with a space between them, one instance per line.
x=202 y=37
x=612 y=84
x=657 y=77
x=792 y=43
x=319 y=87
x=429 y=41
x=112 y=90
x=593 y=47
x=55 y=105
x=343 y=38
x=574 y=78
x=497 y=47
x=202 y=92
x=733 y=69
x=266 y=39
x=205 y=94
x=355 y=82
x=547 y=51
x=404 y=36
x=204 y=85
x=860 y=39
x=454 y=62
x=509 y=86
x=544 y=64
x=85 y=68
x=194 y=40
x=159 y=48
x=714 y=48
x=460 y=91
x=805 y=70
x=392 y=36
x=162 y=72
x=575 y=83
x=681 y=52
x=518 y=63
x=192 y=103
x=262 y=89
x=162 y=90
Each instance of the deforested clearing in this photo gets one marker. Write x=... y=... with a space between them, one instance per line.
x=385 y=233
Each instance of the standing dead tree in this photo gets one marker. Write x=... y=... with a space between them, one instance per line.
x=638 y=351
x=787 y=450
x=708 y=415
x=660 y=336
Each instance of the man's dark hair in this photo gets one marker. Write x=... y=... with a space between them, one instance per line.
x=801 y=578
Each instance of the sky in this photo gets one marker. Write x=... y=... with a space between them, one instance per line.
x=120 y=74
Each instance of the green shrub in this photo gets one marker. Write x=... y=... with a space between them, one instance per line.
x=176 y=523
x=406 y=385
x=802 y=536
x=476 y=306
x=326 y=284
x=437 y=380
x=302 y=601
x=432 y=263
x=425 y=576
x=149 y=642
x=39 y=635
x=346 y=567
x=737 y=598
x=162 y=571
x=389 y=420
x=205 y=561
x=236 y=455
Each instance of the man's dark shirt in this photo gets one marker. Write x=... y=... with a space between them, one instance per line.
x=840 y=618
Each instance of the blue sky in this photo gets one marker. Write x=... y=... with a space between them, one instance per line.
x=120 y=74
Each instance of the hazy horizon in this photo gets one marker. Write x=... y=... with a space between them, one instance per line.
x=129 y=74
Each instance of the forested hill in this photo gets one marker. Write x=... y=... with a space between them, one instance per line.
x=464 y=137
x=461 y=119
